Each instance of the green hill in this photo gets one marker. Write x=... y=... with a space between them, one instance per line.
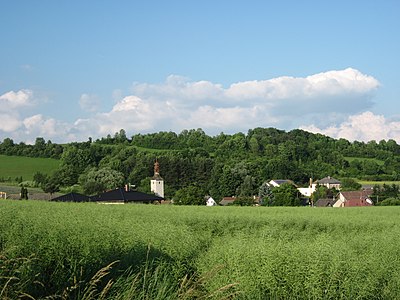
x=16 y=166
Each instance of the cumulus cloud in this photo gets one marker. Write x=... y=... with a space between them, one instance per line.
x=362 y=127
x=14 y=100
x=11 y=105
x=131 y=114
x=40 y=126
x=179 y=103
x=89 y=103
x=284 y=101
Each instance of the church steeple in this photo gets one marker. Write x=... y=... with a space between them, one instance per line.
x=157 y=170
x=157 y=183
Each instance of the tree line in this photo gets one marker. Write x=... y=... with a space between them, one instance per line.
x=222 y=165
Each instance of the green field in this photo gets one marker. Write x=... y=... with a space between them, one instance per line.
x=93 y=251
x=372 y=183
x=361 y=159
x=16 y=166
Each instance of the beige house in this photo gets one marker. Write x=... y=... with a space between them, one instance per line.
x=329 y=182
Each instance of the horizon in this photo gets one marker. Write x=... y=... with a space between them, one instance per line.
x=73 y=70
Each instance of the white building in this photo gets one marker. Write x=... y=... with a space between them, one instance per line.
x=156 y=182
x=211 y=202
x=329 y=182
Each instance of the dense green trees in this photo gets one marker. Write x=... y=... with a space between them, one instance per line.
x=349 y=184
x=50 y=185
x=99 y=180
x=191 y=195
x=385 y=192
x=221 y=165
x=286 y=195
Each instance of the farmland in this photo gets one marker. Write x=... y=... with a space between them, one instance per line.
x=89 y=251
x=15 y=166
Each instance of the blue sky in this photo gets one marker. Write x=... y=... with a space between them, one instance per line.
x=74 y=69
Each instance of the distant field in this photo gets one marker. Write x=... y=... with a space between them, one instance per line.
x=142 y=149
x=15 y=166
x=368 y=182
x=151 y=150
x=378 y=161
x=91 y=251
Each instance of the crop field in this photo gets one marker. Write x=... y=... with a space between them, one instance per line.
x=92 y=251
x=16 y=166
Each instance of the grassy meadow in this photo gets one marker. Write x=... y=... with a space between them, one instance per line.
x=93 y=251
x=16 y=166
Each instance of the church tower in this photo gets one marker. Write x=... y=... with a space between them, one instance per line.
x=157 y=183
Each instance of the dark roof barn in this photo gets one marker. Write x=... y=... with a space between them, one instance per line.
x=72 y=197
x=123 y=196
x=325 y=202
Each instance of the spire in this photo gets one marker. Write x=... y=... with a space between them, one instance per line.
x=157 y=183
x=157 y=170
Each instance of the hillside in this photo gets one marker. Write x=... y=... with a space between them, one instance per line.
x=16 y=166
x=221 y=165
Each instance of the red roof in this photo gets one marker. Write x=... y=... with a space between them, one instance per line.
x=358 y=202
x=356 y=198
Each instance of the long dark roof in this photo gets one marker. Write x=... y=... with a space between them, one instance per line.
x=72 y=197
x=325 y=202
x=121 y=195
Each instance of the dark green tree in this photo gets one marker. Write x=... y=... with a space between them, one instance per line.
x=191 y=195
x=244 y=201
x=39 y=178
x=390 y=202
x=349 y=184
x=50 y=185
x=286 y=195
x=100 y=180
x=265 y=194
x=24 y=193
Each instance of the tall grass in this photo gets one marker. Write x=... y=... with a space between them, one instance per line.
x=89 y=251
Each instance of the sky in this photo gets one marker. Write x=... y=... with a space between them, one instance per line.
x=70 y=70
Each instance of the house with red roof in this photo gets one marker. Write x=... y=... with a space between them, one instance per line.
x=354 y=199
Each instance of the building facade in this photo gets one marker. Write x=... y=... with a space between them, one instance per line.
x=156 y=182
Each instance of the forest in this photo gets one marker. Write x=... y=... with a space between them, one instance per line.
x=222 y=165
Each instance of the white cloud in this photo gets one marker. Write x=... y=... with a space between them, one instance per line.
x=178 y=103
x=49 y=128
x=9 y=123
x=90 y=103
x=131 y=113
x=362 y=127
x=11 y=105
x=332 y=83
x=181 y=92
x=283 y=102
x=14 y=100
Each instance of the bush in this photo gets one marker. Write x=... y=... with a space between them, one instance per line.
x=28 y=183
x=390 y=202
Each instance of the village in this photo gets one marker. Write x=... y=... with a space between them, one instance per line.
x=128 y=194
